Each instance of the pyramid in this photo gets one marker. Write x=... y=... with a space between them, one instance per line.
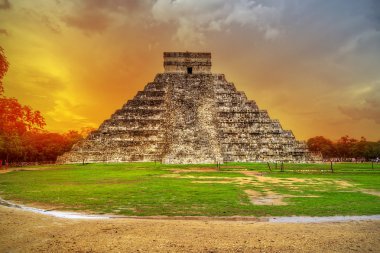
x=189 y=115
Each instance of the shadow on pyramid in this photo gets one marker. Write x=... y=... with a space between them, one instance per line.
x=189 y=115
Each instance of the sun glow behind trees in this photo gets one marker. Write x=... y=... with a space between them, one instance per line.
x=22 y=137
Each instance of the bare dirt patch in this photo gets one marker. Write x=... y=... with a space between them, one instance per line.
x=194 y=170
x=371 y=192
x=246 y=181
x=232 y=167
x=193 y=177
x=266 y=199
x=343 y=183
x=274 y=180
x=292 y=180
x=211 y=182
x=28 y=232
x=251 y=173
x=270 y=198
x=2 y=171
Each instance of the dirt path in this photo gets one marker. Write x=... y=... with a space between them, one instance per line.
x=4 y=170
x=22 y=231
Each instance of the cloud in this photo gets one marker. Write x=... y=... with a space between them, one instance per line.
x=112 y=5
x=63 y=114
x=5 y=5
x=4 y=32
x=271 y=33
x=46 y=19
x=355 y=42
x=95 y=16
x=195 y=20
x=89 y=21
x=374 y=15
x=368 y=105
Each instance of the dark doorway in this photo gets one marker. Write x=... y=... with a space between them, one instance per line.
x=189 y=70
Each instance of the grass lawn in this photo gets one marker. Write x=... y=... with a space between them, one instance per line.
x=235 y=189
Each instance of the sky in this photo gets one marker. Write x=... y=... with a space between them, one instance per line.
x=314 y=65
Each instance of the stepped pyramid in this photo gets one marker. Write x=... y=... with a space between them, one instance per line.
x=189 y=115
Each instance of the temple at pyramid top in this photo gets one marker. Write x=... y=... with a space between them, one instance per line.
x=189 y=115
x=187 y=62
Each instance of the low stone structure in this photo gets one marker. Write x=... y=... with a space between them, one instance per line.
x=189 y=115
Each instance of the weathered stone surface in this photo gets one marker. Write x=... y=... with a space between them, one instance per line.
x=189 y=115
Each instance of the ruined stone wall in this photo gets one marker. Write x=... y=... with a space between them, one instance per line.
x=189 y=118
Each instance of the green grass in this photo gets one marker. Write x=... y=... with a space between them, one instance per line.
x=154 y=189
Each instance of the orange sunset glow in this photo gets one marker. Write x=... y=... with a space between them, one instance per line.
x=314 y=65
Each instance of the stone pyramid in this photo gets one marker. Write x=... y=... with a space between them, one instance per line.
x=189 y=115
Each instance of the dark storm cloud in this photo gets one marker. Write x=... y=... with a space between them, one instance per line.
x=375 y=13
x=112 y=5
x=360 y=113
x=5 y=4
x=4 y=32
x=93 y=21
x=368 y=106
x=43 y=18
x=97 y=15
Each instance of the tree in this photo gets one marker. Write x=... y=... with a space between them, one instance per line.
x=372 y=151
x=85 y=131
x=46 y=146
x=73 y=136
x=15 y=119
x=360 y=148
x=3 y=69
x=323 y=145
x=345 y=146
